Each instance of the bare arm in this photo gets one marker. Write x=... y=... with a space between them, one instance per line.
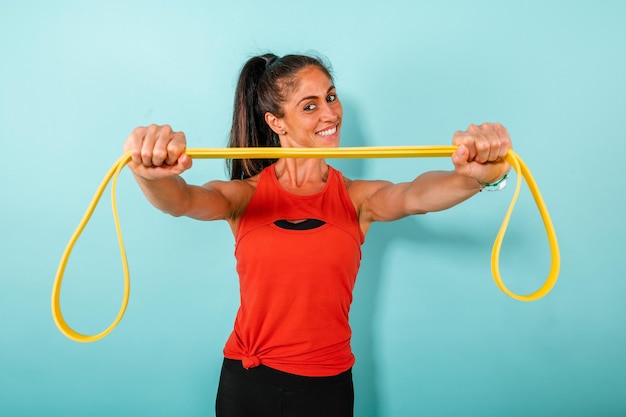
x=480 y=157
x=216 y=200
x=158 y=159
x=432 y=191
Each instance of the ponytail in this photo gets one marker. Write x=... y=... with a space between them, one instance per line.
x=249 y=128
x=264 y=83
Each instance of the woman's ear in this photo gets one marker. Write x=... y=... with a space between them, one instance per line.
x=274 y=123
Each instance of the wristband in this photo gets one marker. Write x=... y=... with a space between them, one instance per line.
x=494 y=186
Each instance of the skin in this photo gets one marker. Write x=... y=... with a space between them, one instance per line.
x=312 y=118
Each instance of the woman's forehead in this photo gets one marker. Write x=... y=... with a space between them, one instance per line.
x=312 y=81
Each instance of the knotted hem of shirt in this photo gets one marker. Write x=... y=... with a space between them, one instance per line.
x=251 y=361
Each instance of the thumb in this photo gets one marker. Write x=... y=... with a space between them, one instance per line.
x=460 y=158
x=182 y=164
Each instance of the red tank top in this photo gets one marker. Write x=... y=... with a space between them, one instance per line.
x=296 y=285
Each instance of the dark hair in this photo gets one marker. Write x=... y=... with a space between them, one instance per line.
x=264 y=84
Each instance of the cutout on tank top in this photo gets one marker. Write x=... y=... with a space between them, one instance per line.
x=304 y=224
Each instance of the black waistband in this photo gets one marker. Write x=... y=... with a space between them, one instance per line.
x=285 y=380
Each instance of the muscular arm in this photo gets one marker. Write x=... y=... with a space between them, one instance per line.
x=158 y=159
x=429 y=192
x=479 y=157
x=216 y=200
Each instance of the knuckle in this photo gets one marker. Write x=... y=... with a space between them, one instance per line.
x=482 y=146
x=174 y=147
x=460 y=137
x=159 y=154
x=146 y=154
x=178 y=138
x=151 y=130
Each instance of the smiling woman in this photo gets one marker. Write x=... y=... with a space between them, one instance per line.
x=312 y=115
x=275 y=95
x=298 y=225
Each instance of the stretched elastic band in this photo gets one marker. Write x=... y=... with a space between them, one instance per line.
x=270 y=153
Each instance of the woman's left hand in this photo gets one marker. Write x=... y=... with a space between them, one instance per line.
x=481 y=152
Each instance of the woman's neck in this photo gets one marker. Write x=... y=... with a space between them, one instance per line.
x=301 y=176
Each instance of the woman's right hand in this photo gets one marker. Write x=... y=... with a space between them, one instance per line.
x=157 y=152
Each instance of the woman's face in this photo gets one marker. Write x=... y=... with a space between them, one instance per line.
x=312 y=113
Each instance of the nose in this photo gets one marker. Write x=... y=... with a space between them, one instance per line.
x=331 y=112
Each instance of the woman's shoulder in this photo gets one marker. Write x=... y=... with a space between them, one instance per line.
x=235 y=189
x=364 y=187
x=237 y=193
x=360 y=191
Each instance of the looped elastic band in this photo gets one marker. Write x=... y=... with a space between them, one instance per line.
x=272 y=153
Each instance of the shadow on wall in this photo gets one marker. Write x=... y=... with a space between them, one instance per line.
x=364 y=309
x=366 y=305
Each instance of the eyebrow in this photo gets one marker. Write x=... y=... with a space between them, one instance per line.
x=332 y=87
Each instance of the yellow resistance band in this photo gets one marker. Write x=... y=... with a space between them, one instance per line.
x=271 y=153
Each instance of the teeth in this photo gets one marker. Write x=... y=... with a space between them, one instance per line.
x=327 y=132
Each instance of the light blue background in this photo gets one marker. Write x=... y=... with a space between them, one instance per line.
x=432 y=333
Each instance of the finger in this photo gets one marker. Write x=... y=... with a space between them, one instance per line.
x=175 y=148
x=492 y=136
x=133 y=144
x=460 y=159
x=464 y=138
x=505 y=140
x=163 y=135
x=147 y=146
x=492 y=142
x=481 y=136
x=182 y=164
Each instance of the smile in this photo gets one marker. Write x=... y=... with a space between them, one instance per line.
x=328 y=132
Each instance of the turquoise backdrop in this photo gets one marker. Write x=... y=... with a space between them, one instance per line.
x=433 y=334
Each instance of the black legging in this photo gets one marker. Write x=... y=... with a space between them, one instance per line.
x=266 y=392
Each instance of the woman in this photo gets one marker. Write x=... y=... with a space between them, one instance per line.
x=298 y=227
